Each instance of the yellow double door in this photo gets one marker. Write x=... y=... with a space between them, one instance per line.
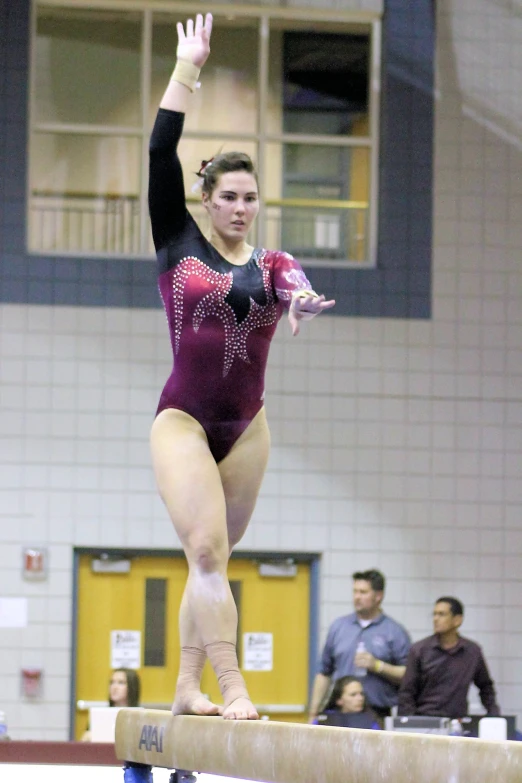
x=274 y=614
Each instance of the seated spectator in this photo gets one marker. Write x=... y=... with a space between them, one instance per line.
x=124 y=691
x=124 y=688
x=348 y=700
x=440 y=669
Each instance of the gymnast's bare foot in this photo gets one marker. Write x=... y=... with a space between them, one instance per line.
x=194 y=703
x=240 y=709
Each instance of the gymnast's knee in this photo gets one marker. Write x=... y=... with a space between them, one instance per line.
x=208 y=555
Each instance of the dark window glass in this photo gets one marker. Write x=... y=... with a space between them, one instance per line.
x=325 y=83
x=154 y=653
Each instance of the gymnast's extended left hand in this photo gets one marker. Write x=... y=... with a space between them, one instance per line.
x=304 y=306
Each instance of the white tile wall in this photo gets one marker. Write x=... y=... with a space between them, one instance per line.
x=401 y=450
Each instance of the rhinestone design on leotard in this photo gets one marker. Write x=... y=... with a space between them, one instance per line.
x=214 y=304
x=193 y=266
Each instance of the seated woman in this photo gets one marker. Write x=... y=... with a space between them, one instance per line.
x=124 y=691
x=347 y=706
x=124 y=688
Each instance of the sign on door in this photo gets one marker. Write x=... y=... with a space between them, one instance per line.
x=258 y=652
x=125 y=649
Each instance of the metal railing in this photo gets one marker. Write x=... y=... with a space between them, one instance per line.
x=84 y=223
x=324 y=232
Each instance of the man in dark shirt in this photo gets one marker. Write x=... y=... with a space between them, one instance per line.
x=440 y=669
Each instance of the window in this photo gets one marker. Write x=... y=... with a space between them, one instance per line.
x=301 y=99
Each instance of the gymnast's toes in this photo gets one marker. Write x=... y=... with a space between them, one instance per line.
x=240 y=709
x=195 y=704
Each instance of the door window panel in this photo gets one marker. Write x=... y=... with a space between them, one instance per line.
x=87 y=67
x=318 y=81
x=320 y=209
x=84 y=193
x=154 y=638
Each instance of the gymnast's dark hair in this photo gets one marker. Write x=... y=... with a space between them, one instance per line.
x=222 y=164
x=133 y=687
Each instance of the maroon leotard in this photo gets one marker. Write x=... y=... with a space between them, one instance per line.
x=221 y=316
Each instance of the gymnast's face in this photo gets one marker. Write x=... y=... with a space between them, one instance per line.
x=233 y=205
x=352 y=698
x=118 y=689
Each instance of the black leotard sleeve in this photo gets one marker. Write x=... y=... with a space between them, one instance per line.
x=171 y=221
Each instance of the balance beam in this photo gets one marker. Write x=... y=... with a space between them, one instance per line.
x=278 y=752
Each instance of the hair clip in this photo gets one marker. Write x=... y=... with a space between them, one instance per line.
x=198 y=184
x=204 y=166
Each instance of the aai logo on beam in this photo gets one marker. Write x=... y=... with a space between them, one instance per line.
x=151 y=737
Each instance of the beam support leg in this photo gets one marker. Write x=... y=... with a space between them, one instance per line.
x=137 y=773
x=182 y=776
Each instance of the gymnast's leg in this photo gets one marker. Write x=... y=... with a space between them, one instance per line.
x=241 y=473
x=193 y=490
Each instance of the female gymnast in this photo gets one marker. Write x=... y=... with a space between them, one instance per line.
x=210 y=439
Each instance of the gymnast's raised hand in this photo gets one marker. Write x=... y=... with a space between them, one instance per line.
x=194 y=40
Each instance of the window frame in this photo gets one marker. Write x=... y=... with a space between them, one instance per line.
x=370 y=22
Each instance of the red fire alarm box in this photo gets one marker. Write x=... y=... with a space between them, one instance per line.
x=32 y=683
x=34 y=563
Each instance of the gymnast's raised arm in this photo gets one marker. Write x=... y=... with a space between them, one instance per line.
x=167 y=206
